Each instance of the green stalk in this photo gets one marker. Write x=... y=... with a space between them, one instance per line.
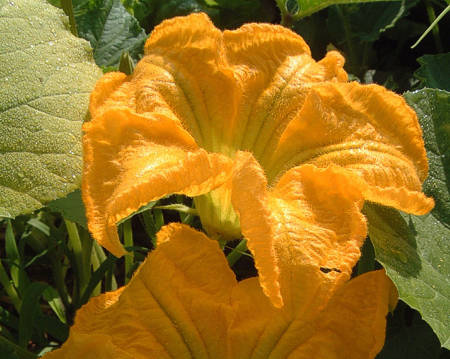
x=67 y=6
x=95 y=265
x=435 y=28
x=86 y=242
x=9 y=288
x=237 y=252
x=128 y=242
x=58 y=277
x=77 y=249
x=111 y=283
x=433 y=24
x=287 y=20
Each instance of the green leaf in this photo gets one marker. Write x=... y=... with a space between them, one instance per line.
x=433 y=109
x=435 y=71
x=365 y=21
x=29 y=311
x=54 y=301
x=308 y=7
x=12 y=253
x=8 y=319
x=415 y=252
x=46 y=75
x=71 y=207
x=110 y=29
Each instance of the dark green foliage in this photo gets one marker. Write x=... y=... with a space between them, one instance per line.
x=110 y=29
x=435 y=71
x=409 y=337
x=71 y=207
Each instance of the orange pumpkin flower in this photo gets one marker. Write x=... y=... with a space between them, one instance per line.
x=273 y=145
x=184 y=302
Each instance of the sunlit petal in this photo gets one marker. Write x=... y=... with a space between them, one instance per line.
x=184 y=302
x=133 y=159
x=274 y=69
x=368 y=131
x=249 y=199
x=312 y=216
x=176 y=306
x=326 y=321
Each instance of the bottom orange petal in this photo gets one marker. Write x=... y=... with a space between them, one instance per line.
x=184 y=302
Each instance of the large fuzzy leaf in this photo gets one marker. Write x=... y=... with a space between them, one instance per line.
x=416 y=254
x=415 y=250
x=433 y=108
x=46 y=75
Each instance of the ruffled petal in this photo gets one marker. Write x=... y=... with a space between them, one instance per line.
x=352 y=325
x=312 y=216
x=274 y=69
x=177 y=305
x=318 y=220
x=130 y=160
x=106 y=87
x=325 y=319
x=367 y=130
x=250 y=200
x=184 y=68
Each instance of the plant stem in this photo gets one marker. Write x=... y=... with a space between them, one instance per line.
x=435 y=29
x=128 y=242
x=237 y=252
x=111 y=282
x=67 y=6
x=60 y=285
x=77 y=249
x=434 y=23
x=9 y=288
x=95 y=265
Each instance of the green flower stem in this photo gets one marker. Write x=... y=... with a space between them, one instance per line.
x=77 y=249
x=179 y=208
x=19 y=352
x=95 y=265
x=433 y=24
x=367 y=261
x=111 y=282
x=287 y=19
x=67 y=6
x=237 y=252
x=58 y=277
x=9 y=288
x=128 y=242
x=435 y=28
